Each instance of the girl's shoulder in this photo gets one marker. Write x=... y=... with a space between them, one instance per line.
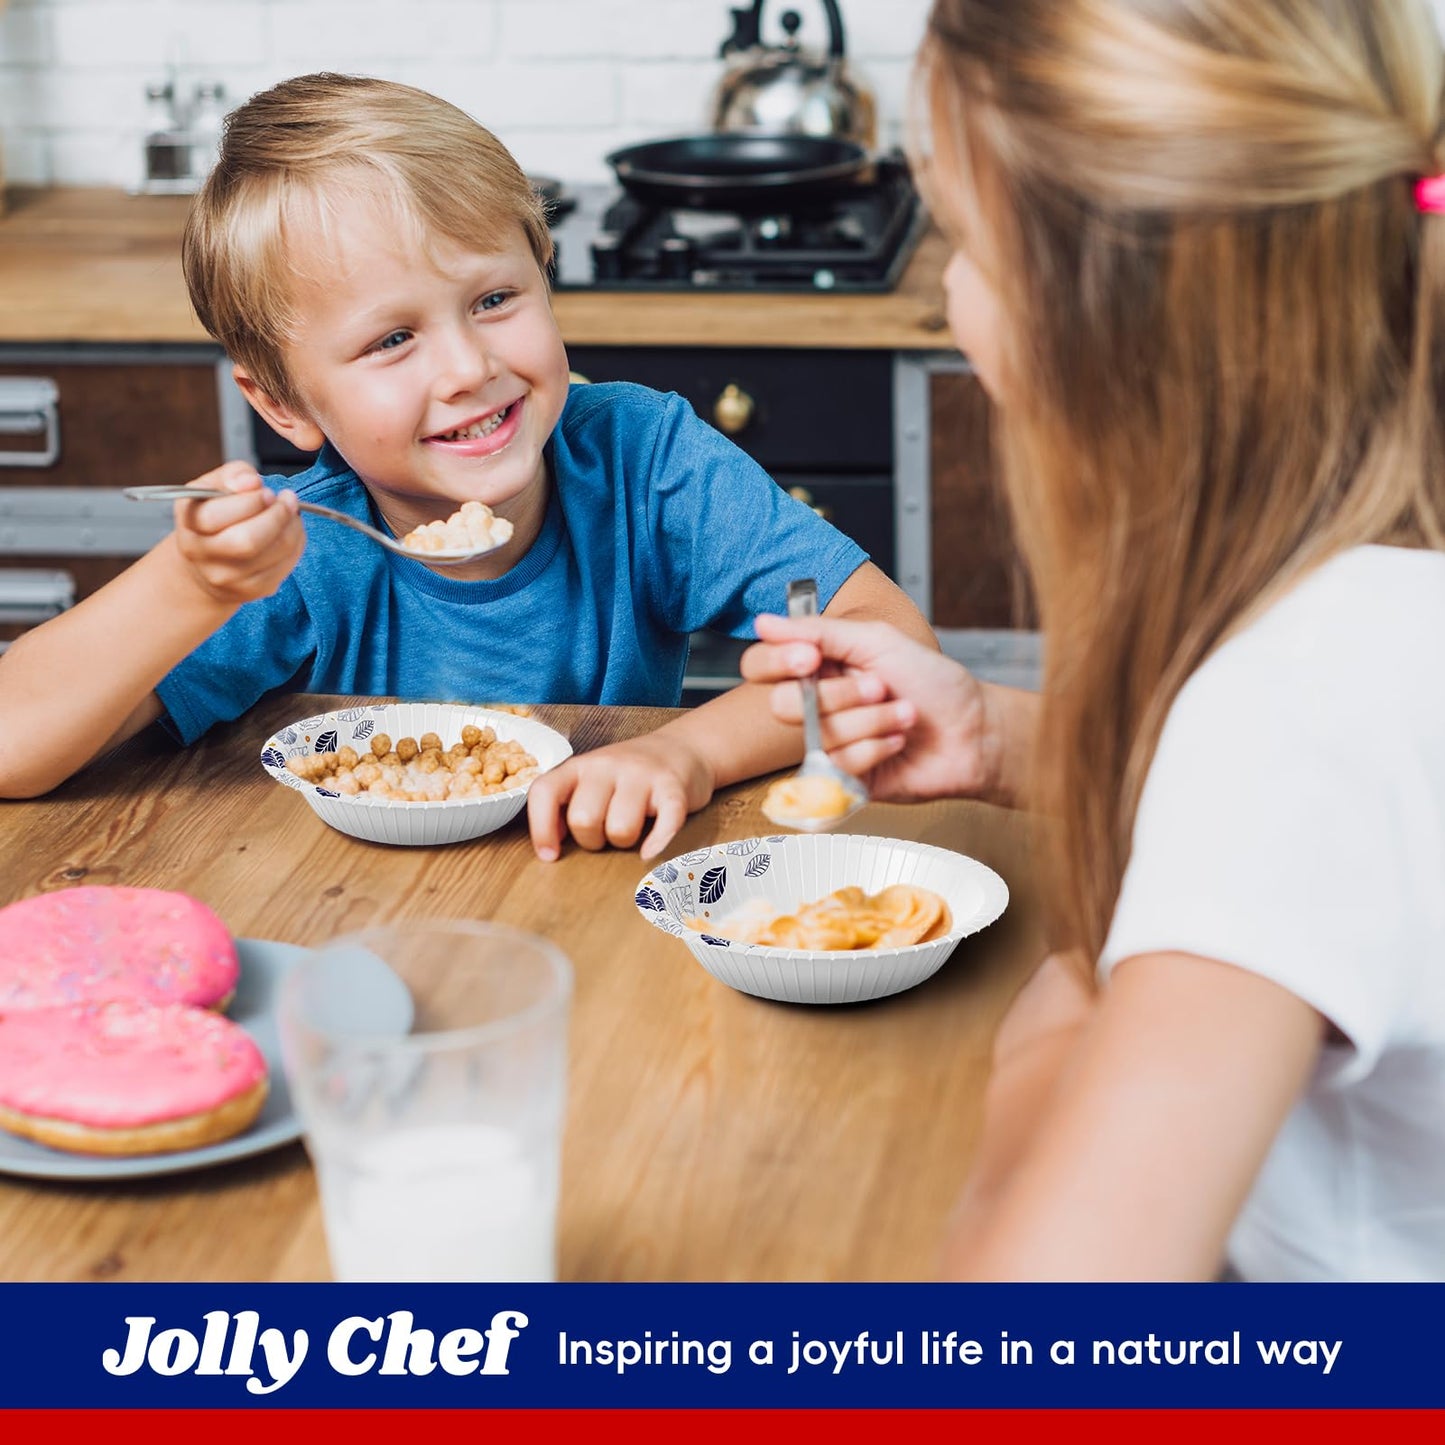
x=1347 y=645
x=1358 y=588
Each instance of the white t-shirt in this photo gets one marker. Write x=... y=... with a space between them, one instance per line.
x=1293 y=824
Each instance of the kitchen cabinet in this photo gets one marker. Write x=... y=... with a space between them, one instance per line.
x=819 y=422
x=121 y=414
x=896 y=449
x=78 y=423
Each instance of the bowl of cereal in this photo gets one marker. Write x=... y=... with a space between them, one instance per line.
x=414 y=772
x=821 y=917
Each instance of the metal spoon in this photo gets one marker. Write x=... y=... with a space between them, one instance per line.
x=446 y=557
x=803 y=602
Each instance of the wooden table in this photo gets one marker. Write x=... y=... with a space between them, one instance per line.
x=710 y=1135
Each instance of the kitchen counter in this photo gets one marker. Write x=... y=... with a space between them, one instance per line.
x=98 y=265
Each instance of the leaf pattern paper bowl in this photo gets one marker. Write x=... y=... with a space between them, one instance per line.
x=384 y=820
x=793 y=869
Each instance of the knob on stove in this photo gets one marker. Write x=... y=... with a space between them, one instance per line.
x=773 y=231
x=607 y=256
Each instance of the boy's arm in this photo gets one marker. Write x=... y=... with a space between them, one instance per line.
x=870 y=595
x=86 y=680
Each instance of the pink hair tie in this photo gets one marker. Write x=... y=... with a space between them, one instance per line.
x=1430 y=195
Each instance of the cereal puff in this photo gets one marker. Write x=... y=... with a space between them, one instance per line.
x=422 y=770
x=475 y=528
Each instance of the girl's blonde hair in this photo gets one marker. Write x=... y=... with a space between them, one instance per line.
x=290 y=153
x=1223 y=348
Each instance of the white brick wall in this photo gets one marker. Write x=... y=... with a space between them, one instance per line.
x=561 y=81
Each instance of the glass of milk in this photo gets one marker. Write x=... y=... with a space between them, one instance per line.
x=428 y=1063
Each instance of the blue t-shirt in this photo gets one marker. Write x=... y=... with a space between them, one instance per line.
x=657 y=526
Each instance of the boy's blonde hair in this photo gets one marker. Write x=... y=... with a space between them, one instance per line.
x=289 y=152
x=1224 y=348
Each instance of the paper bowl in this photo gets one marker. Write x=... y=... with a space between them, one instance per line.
x=384 y=820
x=792 y=869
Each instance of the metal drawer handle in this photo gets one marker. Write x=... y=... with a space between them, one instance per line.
x=733 y=409
x=30 y=405
x=30 y=595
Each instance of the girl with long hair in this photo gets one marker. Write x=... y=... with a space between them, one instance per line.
x=1199 y=264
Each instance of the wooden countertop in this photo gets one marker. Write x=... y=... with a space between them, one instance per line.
x=91 y=265
x=710 y=1135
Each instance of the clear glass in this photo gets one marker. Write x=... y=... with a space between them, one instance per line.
x=428 y=1063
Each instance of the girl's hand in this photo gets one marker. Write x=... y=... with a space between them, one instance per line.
x=910 y=722
x=607 y=796
x=243 y=546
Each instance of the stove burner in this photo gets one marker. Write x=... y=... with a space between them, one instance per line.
x=858 y=238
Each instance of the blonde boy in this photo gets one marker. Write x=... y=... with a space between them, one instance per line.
x=374 y=263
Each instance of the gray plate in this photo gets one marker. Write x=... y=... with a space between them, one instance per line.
x=254 y=1008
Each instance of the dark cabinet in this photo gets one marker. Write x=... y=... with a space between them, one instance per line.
x=819 y=422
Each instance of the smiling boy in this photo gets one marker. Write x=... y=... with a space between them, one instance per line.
x=374 y=263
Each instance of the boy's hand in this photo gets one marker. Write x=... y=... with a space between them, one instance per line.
x=241 y=547
x=608 y=795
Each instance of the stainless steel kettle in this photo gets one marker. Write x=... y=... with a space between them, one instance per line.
x=786 y=88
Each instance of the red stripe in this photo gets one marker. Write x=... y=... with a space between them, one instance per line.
x=735 y=1427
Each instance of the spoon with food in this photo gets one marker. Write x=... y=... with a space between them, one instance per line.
x=467 y=534
x=820 y=795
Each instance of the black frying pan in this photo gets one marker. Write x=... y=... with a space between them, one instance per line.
x=737 y=169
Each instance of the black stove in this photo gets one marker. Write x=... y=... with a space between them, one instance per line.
x=857 y=237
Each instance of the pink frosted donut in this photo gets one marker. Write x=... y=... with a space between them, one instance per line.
x=82 y=945
x=127 y=1078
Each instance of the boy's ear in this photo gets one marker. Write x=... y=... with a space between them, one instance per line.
x=296 y=427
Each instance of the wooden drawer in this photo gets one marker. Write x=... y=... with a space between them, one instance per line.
x=123 y=419
x=978 y=577
x=117 y=416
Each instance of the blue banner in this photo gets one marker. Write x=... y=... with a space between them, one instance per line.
x=722 y=1346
